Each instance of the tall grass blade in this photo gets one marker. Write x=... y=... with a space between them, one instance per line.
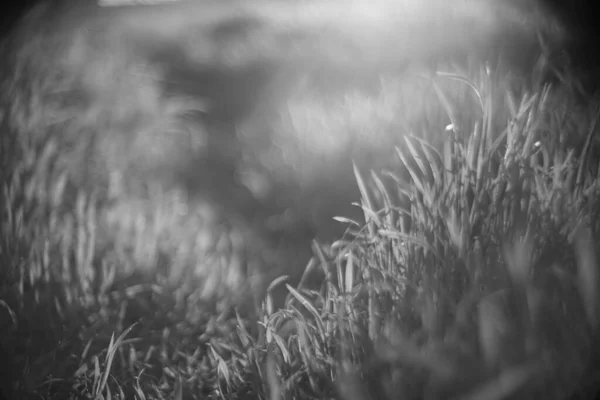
x=272 y=378
x=367 y=204
x=584 y=158
x=311 y=309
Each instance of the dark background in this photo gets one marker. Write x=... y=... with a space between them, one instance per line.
x=577 y=14
x=11 y=12
x=581 y=17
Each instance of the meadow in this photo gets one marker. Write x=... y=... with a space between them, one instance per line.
x=242 y=207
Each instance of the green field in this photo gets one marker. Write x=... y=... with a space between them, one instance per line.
x=253 y=206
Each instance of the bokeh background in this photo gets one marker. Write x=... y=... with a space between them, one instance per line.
x=219 y=138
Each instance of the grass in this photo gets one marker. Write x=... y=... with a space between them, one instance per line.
x=471 y=273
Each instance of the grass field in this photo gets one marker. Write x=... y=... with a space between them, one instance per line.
x=146 y=239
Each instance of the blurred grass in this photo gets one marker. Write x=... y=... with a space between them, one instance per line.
x=471 y=273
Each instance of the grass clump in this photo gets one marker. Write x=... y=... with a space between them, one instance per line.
x=476 y=277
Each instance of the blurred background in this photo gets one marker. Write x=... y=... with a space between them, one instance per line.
x=254 y=115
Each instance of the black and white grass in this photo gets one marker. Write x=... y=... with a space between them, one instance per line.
x=162 y=163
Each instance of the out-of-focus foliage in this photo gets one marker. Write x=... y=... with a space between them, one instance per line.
x=138 y=202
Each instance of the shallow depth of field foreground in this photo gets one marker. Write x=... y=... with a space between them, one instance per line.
x=268 y=202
